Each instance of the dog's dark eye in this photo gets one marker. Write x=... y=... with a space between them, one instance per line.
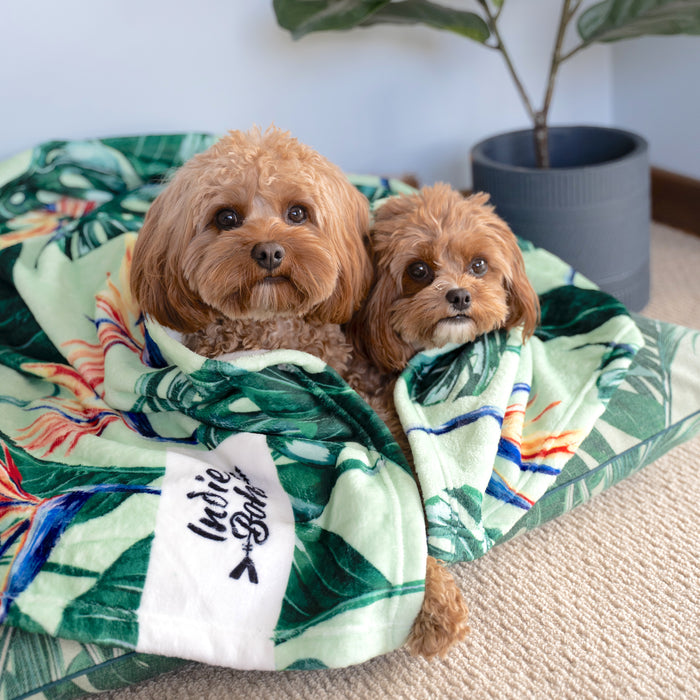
x=479 y=267
x=297 y=214
x=227 y=219
x=420 y=272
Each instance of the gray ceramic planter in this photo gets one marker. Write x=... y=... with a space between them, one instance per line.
x=591 y=208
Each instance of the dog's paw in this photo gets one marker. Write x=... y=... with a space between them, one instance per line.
x=442 y=621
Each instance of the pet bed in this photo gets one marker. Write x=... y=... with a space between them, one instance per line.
x=255 y=513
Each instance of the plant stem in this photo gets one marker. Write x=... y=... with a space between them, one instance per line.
x=500 y=46
x=541 y=128
x=572 y=11
x=539 y=117
x=574 y=51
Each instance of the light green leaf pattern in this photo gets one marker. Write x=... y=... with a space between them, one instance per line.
x=42 y=666
x=644 y=420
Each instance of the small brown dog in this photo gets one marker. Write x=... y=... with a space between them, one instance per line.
x=257 y=243
x=447 y=270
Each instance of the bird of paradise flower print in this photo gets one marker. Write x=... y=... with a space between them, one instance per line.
x=118 y=322
x=531 y=450
x=30 y=526
x=521 y=444
x=48 y=220
x=76 y=405
x=63 y=420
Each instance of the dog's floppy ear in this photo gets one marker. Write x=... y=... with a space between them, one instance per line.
x=370 y=328
x=344 y=219
x=157 y=280
x=523 y=302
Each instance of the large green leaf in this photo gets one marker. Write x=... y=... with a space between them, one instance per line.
x=612 y=20
x=568 y=311
x=638 y=415
x=154 y=155
x=307 y=16
x=432 y=379
x=309 y=470
x=109 y=609
x=28 y=661
x=21 y=337
x=126 y=670
x=455 y=516
x=329 y=577
x=467 y=24
x=123 y=213
x=301 y=17
x=58 y=668
x=650 y=375
x=596 y=446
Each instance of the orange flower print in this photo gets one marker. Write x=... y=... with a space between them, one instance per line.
x=534 y=448
x=41 y=222
x=531 y=450
x=116 y=323
x=63 y=419
x=79 y=409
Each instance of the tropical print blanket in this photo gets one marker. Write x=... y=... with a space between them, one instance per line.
x=255 y=512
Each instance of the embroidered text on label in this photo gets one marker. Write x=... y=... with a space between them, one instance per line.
x=223 y=490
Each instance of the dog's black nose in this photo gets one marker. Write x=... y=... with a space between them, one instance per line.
x=268 y=255
x=459 y=298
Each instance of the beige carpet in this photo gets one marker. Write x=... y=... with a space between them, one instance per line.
x=602 y=603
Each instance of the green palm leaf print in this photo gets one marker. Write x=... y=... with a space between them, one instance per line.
x=329 y=577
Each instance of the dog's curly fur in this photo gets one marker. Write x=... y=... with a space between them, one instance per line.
x=257 y=243
x=442 y=620
x=447 y=269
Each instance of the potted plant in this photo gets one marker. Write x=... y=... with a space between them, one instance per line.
x=579 y=191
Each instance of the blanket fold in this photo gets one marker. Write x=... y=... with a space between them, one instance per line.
x=492 y=425
x=254 y=512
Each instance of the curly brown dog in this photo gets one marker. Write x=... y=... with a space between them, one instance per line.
x=446 y=270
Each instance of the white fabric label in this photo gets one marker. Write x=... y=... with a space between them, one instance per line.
x=221 y=557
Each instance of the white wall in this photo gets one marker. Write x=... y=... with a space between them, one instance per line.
x=657 y=93
x=384 y=100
